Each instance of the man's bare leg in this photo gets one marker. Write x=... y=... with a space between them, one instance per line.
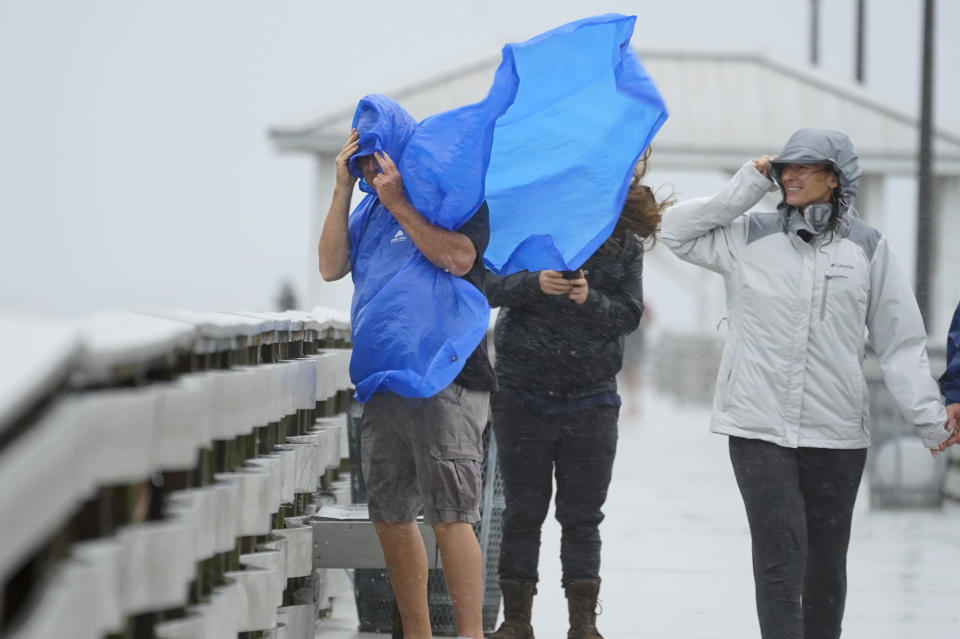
x=406 y=560
x=463 y=571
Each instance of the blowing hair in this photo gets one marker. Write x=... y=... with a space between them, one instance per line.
x=641 y=213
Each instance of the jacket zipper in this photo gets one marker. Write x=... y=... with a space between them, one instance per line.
x=826 y=287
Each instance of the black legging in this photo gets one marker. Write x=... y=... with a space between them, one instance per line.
x=531 y=445
x=799 y=504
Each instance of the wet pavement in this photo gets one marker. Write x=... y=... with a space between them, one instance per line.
x=676 y=558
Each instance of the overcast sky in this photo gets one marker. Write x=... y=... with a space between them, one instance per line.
x=134 y=162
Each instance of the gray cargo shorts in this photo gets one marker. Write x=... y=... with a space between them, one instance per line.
x=424 y=455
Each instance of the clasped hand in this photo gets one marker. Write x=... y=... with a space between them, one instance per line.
x=952 y=425
x=554 y=283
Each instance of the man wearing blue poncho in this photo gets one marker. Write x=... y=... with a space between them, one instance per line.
x=419 y=452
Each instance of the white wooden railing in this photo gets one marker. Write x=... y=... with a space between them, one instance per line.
x=156 y=467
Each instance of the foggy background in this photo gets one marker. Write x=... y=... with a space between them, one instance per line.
x=135 y=167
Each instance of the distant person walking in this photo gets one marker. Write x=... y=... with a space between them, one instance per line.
x=802 y=284
x=559 y=345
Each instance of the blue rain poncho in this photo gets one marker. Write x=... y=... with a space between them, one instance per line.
x=575 y=111
x=414 y=325
x=564 y=151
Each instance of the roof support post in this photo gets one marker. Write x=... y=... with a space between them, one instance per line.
x=861 y=37
x=814 y=32
x=926 y=218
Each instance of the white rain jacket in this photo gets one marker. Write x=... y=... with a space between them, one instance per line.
x=791 y=371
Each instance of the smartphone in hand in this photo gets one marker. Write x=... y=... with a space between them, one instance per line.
x=571 y=275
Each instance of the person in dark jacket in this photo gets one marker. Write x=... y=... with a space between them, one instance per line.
x=950 y=380
x=559 y=345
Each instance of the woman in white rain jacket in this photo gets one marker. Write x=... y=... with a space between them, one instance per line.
x=802 y=285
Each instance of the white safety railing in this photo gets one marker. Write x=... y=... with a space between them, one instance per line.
x=156 y=468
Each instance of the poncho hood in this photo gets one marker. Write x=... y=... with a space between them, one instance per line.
x=382 y=125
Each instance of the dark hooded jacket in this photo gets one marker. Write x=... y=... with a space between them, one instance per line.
x=950 y=380
x=554 y=348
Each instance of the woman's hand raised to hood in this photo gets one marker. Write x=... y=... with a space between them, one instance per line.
x=763 y=164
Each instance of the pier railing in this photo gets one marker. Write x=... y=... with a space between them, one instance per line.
x=156 y=468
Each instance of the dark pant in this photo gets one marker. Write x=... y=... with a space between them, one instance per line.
x=799 y=504
x=580 y=448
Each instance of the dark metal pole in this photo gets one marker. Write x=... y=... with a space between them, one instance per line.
x=861 y=35
x=814 y=32
x=926 y=219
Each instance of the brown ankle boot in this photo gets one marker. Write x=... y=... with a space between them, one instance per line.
x=517 y=605
x=582 y=604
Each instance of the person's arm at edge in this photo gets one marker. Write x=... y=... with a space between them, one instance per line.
x=950 y=380
x=333 y=250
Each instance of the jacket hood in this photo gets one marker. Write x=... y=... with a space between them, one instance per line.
x=821 y=146
x=382 y=125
